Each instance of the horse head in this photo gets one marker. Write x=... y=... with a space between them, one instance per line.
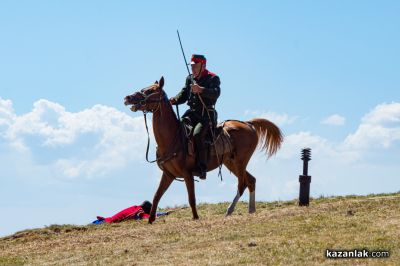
x=147 y=99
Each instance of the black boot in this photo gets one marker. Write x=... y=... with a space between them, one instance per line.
x=202 y=163
x=201 y=160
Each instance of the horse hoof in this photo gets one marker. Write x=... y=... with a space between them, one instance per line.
x=228 y=212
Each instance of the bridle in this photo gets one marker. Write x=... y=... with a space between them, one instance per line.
x=147 y=100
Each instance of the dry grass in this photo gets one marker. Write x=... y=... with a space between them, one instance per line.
x=280 y=233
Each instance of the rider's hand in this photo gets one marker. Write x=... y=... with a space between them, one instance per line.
x=196 y=88
x=172 y=100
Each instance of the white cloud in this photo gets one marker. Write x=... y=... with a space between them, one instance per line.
x=7 y=114
x=279 y=119
x=379 y=128
x=334 y=120
x=385 y=113
x=295 y=142
x=90 y=143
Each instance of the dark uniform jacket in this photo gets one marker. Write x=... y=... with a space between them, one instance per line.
x=210 y=94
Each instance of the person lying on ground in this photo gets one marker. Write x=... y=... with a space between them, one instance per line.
x=136 y=212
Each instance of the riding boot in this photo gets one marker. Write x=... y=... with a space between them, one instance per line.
x=201 y=160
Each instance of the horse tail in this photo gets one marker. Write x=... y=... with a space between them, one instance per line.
x=269 y=135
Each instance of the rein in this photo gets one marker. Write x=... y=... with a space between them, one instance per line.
x=144 y=102
x=148 y=139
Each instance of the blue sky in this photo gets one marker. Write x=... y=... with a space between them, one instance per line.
x=327 y=72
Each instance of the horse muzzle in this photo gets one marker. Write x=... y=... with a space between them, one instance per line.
x=132 y=99
x=137 y=100
x=135 y=107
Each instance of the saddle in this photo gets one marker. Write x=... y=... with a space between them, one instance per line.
x=221 y=145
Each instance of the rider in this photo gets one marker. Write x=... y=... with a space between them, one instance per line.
x=201 y=96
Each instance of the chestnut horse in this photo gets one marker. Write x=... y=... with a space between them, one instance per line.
x=173 y=160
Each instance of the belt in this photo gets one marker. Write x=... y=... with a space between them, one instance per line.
x=199 y=108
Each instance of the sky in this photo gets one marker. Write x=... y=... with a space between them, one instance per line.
x=326 y=72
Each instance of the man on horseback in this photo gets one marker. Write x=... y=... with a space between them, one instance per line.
x=201 y=92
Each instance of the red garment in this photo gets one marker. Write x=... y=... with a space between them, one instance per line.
x=131 y=213
x=207 y=72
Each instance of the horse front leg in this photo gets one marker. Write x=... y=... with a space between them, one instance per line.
x=189 y=181
x=162 y=187
x=232 y=206
x=239 y=193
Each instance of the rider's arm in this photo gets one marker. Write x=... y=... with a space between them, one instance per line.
x=212 y=90
x=183 y=96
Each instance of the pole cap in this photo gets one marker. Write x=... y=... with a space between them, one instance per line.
x=306 y=154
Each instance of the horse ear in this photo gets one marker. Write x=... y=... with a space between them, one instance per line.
x=161 y=82
x=156 y=82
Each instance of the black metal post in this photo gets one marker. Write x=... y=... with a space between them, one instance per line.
x=305 y=179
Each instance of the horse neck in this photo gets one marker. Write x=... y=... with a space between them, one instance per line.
x=165 y=126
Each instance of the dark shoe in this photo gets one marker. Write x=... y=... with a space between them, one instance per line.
x=203 y=175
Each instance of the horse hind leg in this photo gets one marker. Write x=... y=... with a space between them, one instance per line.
x=251 y=184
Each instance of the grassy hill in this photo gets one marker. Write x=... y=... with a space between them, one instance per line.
x=279 y=233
